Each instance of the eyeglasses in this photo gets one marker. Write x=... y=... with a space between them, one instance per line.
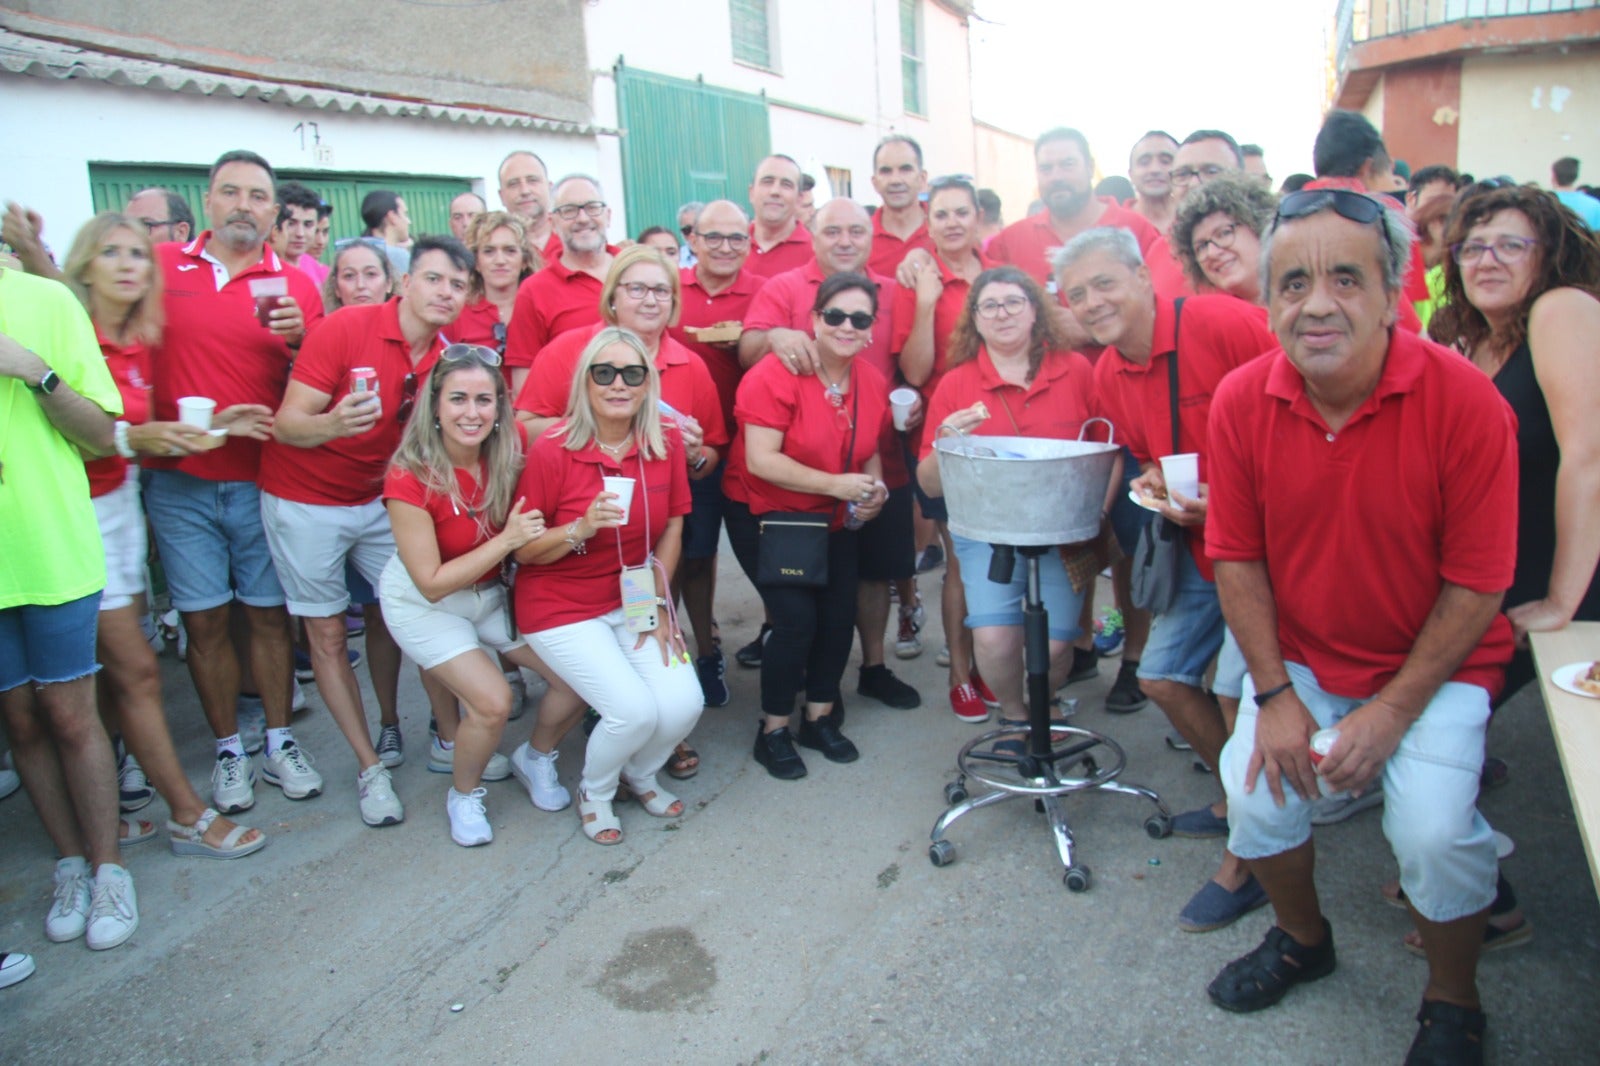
x=732 y=240
x=1011 y=305
x=151 y=224
x=638 y=290
x=633 y=374
x=568 y=212
x=1205 y=173
x=1506 y=250
x=408 y=397
x=1219 y=240
x=456 y=353
x=1355 y=206
x=857 y=319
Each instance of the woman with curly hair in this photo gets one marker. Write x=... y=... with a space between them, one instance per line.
x=1216 y=235
x=499 y=242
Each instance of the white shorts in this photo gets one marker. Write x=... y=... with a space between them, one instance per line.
x=435 y=633
x=121 y=521
x=310 y=543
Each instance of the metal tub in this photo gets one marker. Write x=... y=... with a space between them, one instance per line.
x=1025 y=490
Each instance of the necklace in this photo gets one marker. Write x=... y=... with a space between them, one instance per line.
x=834 y=392
x=614 y=450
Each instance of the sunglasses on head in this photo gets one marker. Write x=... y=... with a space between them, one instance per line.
x=633 y=375
x=1355 y=206
x=455 y=353
x=857 y=319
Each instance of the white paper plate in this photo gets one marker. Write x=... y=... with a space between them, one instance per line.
x=1565 y=675
x=1138 y=499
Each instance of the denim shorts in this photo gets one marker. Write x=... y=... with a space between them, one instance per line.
x=48 y=645
x=992 y=604
x=702 y=526
x=1445 y=848
x=213 y=548
x=1185 y=639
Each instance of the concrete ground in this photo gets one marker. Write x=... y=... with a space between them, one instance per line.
x=774 y=922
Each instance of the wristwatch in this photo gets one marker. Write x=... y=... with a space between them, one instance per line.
x=47 y=383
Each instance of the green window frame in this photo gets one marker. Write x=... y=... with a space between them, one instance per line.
x=911 y=61
x=752 y=33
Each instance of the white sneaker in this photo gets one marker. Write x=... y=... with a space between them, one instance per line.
x=114 y=911
x=537 y=772
x=252 y=721
x=297 y=702
x=290 y=769
x=468 y=825
x=442 y=760
x=9 y=781
x=69 y=913
x=1330 y=810
x=14 y=967
x=379 y=804
x=233 y=784
x=519 y=694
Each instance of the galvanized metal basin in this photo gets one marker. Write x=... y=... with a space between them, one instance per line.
x=1025 y=490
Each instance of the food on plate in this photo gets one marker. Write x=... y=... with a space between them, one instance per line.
x=1589 y=680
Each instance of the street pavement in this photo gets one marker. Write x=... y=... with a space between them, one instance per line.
x=778 y=922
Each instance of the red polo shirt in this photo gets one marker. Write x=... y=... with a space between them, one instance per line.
x=130 y=369
x=456 y=529
x=785 y=302
x=549 y=303
x=793 y=251
x=700 y=309
x=553 y=247
x=945 y=313
x=888 y=249
x=1056 y=403
x=1219 y=334
x=348 y=471
x=212 y=345
x=1360 y=529
x=476 y=324
x=815 y=432
x=1027 y=244
x=686 y=384
x=562 y=484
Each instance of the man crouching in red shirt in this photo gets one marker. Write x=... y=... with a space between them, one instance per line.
x=1363 y=523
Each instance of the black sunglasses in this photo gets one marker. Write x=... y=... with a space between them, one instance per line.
x=1355 y=206
x=499 y=333
x=454 y=353
x=408 y=398
x=858 y=319
x=633 y=375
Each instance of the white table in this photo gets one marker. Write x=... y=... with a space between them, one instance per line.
x=1575 y=721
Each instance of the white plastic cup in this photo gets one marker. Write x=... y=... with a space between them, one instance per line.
x=901 y=401
x=623 y=487
x=265 y=292
x=1182 y=474
x=196 y=411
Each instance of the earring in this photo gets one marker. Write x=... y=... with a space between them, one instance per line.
x=435 y=423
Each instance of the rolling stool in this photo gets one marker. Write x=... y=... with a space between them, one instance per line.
x=1060 y=758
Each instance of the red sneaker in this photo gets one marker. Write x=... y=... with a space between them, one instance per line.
x=967 y=704
x=983 y=691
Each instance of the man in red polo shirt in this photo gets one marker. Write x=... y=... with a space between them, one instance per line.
x=1204 y=155
x=525 y=192
x=204 y=510
x=1364 y=509
x=901 y=223
x=1108 y=288
x=1150 y=170
x=566 y=293
x=717 y=291
x=321 y=482
x=780 y=242
x=778 y=322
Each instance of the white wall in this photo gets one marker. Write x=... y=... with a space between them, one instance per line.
x=52 y=130
x=1521 y=113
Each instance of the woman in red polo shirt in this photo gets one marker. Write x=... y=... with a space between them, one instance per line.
x=1010 y=376
x=627 y=658
x=810 y=444
x=361 y=274
x=925 y=318
x=112 y=268
x=1215 y=235
x=499 y=244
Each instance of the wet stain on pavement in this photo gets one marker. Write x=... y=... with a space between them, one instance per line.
x=889 y=875
x=659 y=971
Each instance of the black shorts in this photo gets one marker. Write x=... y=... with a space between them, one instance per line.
x=702 y=526
x=886 y=548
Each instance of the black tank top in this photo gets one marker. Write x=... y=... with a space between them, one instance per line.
x=1538 y=458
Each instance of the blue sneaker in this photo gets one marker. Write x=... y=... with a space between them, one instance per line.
x=713 y=669
x=1108 y=632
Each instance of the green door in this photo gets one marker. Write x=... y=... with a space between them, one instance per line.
x=427 y=198
x=685 y=140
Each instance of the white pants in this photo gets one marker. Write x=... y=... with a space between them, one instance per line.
x=645 y=707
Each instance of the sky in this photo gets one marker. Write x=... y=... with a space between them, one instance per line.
x=1255 y=68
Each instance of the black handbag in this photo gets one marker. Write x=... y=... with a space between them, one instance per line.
x=1154 y=579
x=794 y=545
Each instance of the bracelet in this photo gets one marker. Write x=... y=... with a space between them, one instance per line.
x=1263 y=697
x=574 y=541
x=119 y=438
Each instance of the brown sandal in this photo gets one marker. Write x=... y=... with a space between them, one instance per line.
x=684 y=763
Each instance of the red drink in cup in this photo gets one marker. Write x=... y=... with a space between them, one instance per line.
x=266 y=292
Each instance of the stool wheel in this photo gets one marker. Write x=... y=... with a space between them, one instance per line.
x=1158 y=826
x=1077 y=878
x=941 y=853
x=955 y=792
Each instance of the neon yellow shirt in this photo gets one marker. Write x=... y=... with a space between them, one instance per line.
x=50 y=547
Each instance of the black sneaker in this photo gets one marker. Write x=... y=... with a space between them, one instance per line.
x=1085 y=665
x=823 y=735
x=930 y=558
x=711 y=669
x=750 y=654
x=775 y=751
x=1126 y=696
x=879 y=683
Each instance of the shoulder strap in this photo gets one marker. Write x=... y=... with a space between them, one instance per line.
x=1172 y=369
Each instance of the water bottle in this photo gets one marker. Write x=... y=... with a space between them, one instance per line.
x=850 y=519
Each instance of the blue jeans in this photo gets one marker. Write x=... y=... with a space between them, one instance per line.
x=212 y=543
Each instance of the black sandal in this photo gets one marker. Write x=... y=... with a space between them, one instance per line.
x=1258 y=980
x=1447 y=1035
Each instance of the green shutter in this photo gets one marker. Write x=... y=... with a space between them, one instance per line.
x=752 y=35
x=910 y=58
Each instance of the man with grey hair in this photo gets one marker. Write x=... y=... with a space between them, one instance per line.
x=1152 y=340
x=566 y=293
x=686 y=216
x=463 y=209
x=1364 y=532
x=525 y=192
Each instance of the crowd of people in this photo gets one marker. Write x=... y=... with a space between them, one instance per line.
x=517 y=445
